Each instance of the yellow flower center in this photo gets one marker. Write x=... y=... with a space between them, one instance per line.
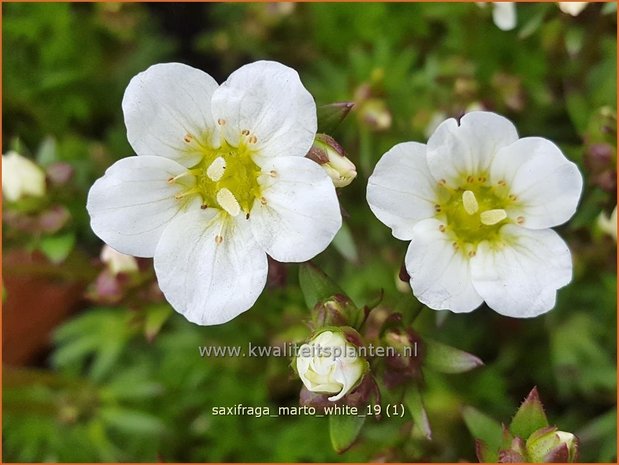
x=474 y=212
x=226 y=176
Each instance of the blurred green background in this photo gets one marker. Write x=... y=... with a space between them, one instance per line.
x=97 y=367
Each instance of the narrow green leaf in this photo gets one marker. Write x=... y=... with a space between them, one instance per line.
x=414 y=402
x=530 y=417
x=132 y=421
x=344 y=430
x=446 y=359
x=481 y=426
x=316 y=285
x=330 y=116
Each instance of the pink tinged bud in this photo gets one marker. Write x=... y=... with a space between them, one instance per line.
x=549 y=445
x=60 y=173
x=52 y=220
x=375 y=114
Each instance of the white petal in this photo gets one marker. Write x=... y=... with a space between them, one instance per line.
x=299 y=214
x=168 y=111
x=504 y=15
x=546 y=183
x=209 y=267
x=133 y=202
x=521 y=278
x=401 y=190
x=457 y=151
x=267 y=99
x=440 y=274
x=347 y=374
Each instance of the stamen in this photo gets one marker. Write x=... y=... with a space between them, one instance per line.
x=219 y=239
x=253 y=139
x=442 y=228
x=189 y=192
x=492 y=217
x=245 y=132
x=217 y=169
x=228 y=202
x=437 y=208
x=188 y=138
x=221 y=121
x=520 y=220
x=470 y=202
x=273 y=173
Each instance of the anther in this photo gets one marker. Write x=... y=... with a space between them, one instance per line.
x=470 y=179
x=441 y=228
x=221 y=121
x=520 y=220
x=228 y=202
x=188 y=138
x=470 y=202
x=247 y=215
x=455 y=245
x=245 y=132
x=502 y=182
x=219 y=239
x=442 y=182
x=437 y=208
x=512 y=197
x=472 y=253
x=492 y=217
x=482 y=179
x=263 y=201
x=216 y=169
x=204 y=206
x=253 y=139
x=273 y=173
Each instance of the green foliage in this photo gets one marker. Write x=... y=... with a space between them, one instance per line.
x=344 y=430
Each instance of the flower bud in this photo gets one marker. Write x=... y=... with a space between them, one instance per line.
x=374 y=113
x=549 y=445
x=607 y=224
x=329 y=363
x=331 y=156
x=572 y=8
x=118 y=262
x=335 y=311
x=21 y=177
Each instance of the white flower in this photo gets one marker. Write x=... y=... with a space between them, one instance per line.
x=572 y=8
x=330 y=155
x=329 y=364
x=21 y=177
x=503 y=14
x=118 y=262
x=607 y=224
x=219 y=182
x=477 y=203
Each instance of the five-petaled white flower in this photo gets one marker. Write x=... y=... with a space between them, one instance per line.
x=219 y=181
x=477 y=204
x=329 y=364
